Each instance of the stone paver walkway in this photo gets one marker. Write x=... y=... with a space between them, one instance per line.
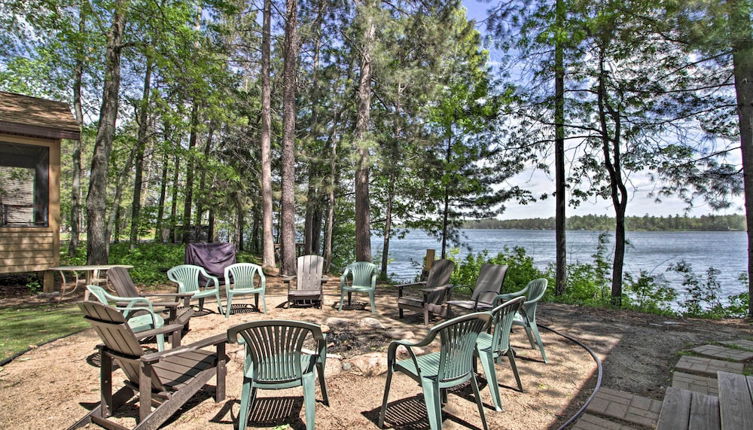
x=706 y=366
x=592 y=422
x=627 y=407
x=740 y=343
x=699 y=384
x=723 y=353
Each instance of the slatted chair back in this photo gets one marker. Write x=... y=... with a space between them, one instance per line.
x=458 y=343
x=490 y=280
x=122 y=282
x=186 y=276
x=535 y=291
x=309 y=272
x=439 y=275
x=502 y=318
x=241 y=275
x=274 y=348
x=362 y=273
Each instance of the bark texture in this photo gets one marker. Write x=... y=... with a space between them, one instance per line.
x=268 y=242
x=288 y=252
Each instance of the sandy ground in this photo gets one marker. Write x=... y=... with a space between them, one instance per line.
x=54 y=385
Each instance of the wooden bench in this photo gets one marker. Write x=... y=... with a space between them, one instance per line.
x=735 y=401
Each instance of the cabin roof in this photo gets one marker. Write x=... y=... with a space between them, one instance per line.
x=37 y=117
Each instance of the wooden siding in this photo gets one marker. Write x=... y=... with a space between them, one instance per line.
x=34 y=249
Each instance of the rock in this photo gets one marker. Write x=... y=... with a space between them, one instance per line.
x=324 y=327
x=336 y=322
x=332 y=367
x=371 y=364
x=347 y=366
x=371 y=323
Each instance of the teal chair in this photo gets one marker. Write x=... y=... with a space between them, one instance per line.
x=533 y=292
x=363 y=280
x=239 y=281
x=138 y=312
x=493 y=346
x=438 y=371
x=187 y=278
x=275 y=360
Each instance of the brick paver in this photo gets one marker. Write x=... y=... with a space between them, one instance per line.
x=699 y=384
x=740 y=343
x=723 y=353
x=706 y=366
x=592 y=422
x=624 y=406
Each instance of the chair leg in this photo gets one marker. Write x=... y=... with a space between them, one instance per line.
x=160 y=342
x=263 y=303
x=530 y=337
x=322 y=383
x=537 y=338
x=514 y=367
x=219 y=303
x=350 y=296
x=228 y=305
x=477 y=393
x=426 y=316
x=342 y=297
x=201 y=304
x=400 y=311
x=246 y=402
x=373 y=301
x=309 y=400
x=384 y=399
x=433 y=403
x=487 y=362
x=256 y=301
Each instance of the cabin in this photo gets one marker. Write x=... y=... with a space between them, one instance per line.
x=31 y=129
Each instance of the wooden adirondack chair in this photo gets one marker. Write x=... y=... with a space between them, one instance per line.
x=124 y=287
x=493 y=346
x=308 y=281
x=489 y=282
x=363 y=275
x=438 y=371
x=526 y=317
x=187 y=278
x=275 y=360
x=167 y=379
x=435 y=294
x=239 y=281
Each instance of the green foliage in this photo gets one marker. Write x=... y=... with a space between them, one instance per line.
x=702 y=295
x=649 y=293
x=34 y=286
x=520 y=269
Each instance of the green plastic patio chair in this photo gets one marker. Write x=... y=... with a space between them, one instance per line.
x=438 y=371
x=275 y=360
x=241 y=276
x=493 y=346
x=138 y=312
x=364 y=276
x=526 y=318
x=187 y=278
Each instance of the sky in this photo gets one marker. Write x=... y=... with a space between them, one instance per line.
x=538 y=182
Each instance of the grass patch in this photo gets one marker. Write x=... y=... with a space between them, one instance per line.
x=22 y=327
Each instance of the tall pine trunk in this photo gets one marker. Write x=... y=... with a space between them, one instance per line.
x=268 y=245
x=287 y=225
x=446 y=198
x=188 y=201
x=96 y=200
x=174 y=196
x=78 y=77
x=141 y=137
x=559 y=157
x=161 y=201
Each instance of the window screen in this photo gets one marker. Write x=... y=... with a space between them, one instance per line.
x=24 y=185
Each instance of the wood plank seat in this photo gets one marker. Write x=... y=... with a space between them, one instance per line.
x=435 y=293
x=167 y=379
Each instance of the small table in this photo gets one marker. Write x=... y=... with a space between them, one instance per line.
x=91 y=273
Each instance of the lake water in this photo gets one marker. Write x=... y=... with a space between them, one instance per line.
x=651 y=251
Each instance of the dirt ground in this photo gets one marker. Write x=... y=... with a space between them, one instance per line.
x=54 y=385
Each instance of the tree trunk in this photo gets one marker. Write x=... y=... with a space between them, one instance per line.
x=288 y=252
x=161 y=201
x=268 y=255
x=316 y=231
x=363 y=227
x=141 y=137
x=188 y=202
x=446 y=202
x=559 y=158
x=203 y=177
x=742 y=60
x=331 y=186
x=96 y=199
x=174 y=196
x=239 y=224
x=78 y=76
x=210 y=227
x=114 y=223
x=387 y=229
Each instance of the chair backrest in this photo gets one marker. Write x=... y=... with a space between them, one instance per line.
x=362 y=272
x=274 y=348
x=458 y=343
x=490 y=280
x=502 y=318
x=535 y=291
x=122 y=282
x=309 y=272
x=241 y=275
x=186 y=276
x=439 y=275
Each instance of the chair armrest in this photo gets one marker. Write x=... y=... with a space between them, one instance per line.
x=209 y=341
x=436 y=289
x=412 y=284
x=177 y=295
x=162 y=330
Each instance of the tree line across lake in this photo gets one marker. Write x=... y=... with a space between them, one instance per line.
x=606 y=223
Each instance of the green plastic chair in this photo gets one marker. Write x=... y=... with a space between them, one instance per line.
x=241 y=276
x=187 y=278
x=364 y=276
x=138 y=312
x=493 y=346
x=438 y=371
x=526 y=318
x=275 y=360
